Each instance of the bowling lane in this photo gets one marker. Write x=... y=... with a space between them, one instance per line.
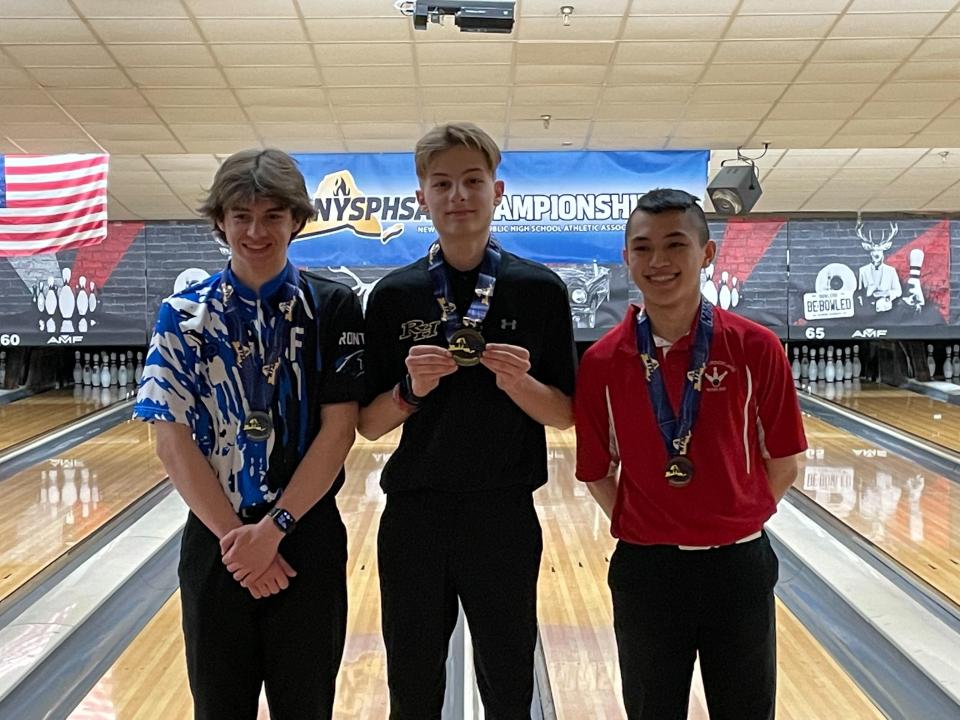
x=576 y=619
x=39 y=414
x=909 y=513
x=925 y=417
x=149 y=681
x=49 y=507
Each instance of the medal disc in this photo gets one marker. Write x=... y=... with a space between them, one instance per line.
x=466 y=346
x=258 y=426
x=679 y=470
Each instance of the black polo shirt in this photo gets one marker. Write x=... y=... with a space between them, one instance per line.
x=469 y=435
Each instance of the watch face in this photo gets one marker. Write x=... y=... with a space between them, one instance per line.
x=283 y=520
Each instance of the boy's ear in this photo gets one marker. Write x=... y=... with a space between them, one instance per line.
x=423 y=201
x=497 y=192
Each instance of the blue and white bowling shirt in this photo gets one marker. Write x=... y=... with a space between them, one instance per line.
x=191 y=374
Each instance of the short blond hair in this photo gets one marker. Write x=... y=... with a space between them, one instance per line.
x=250 y=174
x=444 y=137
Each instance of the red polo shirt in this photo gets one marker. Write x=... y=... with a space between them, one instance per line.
x=748 y=412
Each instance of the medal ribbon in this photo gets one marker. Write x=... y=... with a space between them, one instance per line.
x=676 y=432
x=486 y=281
x=258 y=366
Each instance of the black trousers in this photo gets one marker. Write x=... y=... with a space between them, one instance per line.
x=291 y=642
x=483 y=548
x=671 y=604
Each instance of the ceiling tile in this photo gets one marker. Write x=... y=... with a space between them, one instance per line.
x=662 y=52
x=812 y=110
x=738 y=93
x=400 y=95
x=176 y=77
x=936 y=71
x=201 y=114
x=752 y=73
x=829 y=92
x=260 y=54
x=36 y=8
x=44 y=31
x=890 y=25
x=563 y=53
x=585 y=28
x=379 y=113
x=538 y=94
x=218 y=131
x=343 y=30
x=239 y=30
x=846 y=72
x=174 y=97
x=242 y=8
x=271 y=77
x=32 y=113
x=373 y=76
x=647 y=93
x=550 y=8
x=791 y=27
x=287 y=97
x=552 y=74
x=333 y=54
x=675 y=28
x=939 y=49
x=60 y=55
x=130 y=8
x=643 y=111
x=449 y=54
x=865 y=49
x=918 y=91
x=121 y=97
x=268 y=113
x=879 y=109
x=158 y=55
x=749 y=51
x=122 y=30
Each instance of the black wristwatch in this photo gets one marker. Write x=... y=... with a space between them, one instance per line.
x=283 y=520
x=406 y=392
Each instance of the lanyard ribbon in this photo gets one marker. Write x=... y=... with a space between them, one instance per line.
x=486 y=281
x=676 y=432
x=258 y=357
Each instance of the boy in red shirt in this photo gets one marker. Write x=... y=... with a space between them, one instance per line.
x=688 y=427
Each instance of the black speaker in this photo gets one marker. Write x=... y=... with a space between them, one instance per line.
x=734 y=190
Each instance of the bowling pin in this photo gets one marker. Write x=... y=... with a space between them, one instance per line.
x=95 y=375
x=113 y=368
x=77 y=369
x=931 y=363
x=122 y=378
x=829 y=373
x=847 y=364
x=821 y=364
x=138 y=373
x=86 y=368
x=105 y=372
x=812 y=370
x=92 y=298
x=708 y=289
x=838 y=366
x=3 y=369
x=804 y=362
x=734 y=294
x=795 y=368
x=724 y=291
x=129 y=365
x=857 y=365
x=947 y=366
x=67 y=303
x=956 y=362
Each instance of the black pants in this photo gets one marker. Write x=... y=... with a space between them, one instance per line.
x=483 y=548
x=671 y=604
x=291 y=642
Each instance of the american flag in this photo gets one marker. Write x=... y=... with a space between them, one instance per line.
x=50 y=203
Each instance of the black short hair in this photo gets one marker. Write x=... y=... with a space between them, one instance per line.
x=667 y=199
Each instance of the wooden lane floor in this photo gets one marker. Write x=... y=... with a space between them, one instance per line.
x=909 y=513
x=148 y=682
x=39 y=414
x=927 y=418
x=576 y=619
x=49 y=507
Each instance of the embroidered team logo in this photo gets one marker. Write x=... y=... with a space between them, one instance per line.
x=447 y=308
x=419 y=330
x=650 y=364
x=716 y=378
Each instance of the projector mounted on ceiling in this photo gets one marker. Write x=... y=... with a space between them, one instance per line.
x=482 y=16
x=736 y=188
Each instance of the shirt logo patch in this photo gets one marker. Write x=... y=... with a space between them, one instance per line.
x=508 y=324
x=715 y=376
x=419 y=330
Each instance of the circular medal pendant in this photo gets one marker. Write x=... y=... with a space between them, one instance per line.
x=467 y=346
x=679 y=471
x=258 y=426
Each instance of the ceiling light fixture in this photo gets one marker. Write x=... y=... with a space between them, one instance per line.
x=565 y=12
x=736 y=188
x=546 y=121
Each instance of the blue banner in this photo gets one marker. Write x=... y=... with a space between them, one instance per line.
x=558 y=207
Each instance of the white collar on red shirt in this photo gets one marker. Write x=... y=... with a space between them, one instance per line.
x=658 y=341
